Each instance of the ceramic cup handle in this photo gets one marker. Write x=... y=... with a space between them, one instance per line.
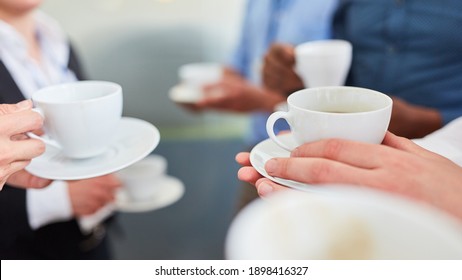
x=270 y=128
x=45 y=139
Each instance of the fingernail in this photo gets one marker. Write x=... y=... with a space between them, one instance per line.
x=265 y=189
x=271 y=166
x=25 y=104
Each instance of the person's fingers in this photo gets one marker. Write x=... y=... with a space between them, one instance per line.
x=274 y=67
x=6 y=170
x=25 y=149
x=243 y=158
x=23 y=179
x=404 y=144
x=266 y=187
x=281 y=52
x=359 y=154
x=20 y=122
x=101 y=196
x=103 y=184
x=271 y=79
x=88 y=207
x=13 y=108
x=216 y=102
x=279 y=76
x=110 y=182
x=318 y=171
x=19 y=137
x=248 y=174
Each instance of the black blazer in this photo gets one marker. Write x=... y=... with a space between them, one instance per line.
x=17 y=239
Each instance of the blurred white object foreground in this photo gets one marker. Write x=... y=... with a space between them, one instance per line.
x=343 y=223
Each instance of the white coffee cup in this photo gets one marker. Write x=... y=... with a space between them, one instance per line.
x=323 y=63
x=195 y=76
x=81 y=118
x=351 y=113
x=140 y=180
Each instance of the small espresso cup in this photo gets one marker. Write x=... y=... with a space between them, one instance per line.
x=350 y=113
x=81 y=118
x=323 y=63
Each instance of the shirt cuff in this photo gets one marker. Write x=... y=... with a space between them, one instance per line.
x=445 y=141
x=48 y=205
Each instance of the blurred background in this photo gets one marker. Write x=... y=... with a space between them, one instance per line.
x=140 y=44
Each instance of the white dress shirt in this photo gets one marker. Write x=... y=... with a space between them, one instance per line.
x=446 y=141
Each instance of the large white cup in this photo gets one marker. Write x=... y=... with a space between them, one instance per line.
x=323 y=63
x=334 y=112
x=82 y=117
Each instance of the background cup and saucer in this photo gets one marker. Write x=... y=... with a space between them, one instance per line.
x=146 y=186
x=193 y=77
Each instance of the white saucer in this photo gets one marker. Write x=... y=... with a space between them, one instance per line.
x=267 y=150
x=171 y=190
x=184 y=94
x=134 y=140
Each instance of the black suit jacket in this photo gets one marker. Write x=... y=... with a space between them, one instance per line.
x=17 y=240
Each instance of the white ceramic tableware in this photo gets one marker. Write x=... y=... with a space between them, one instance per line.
x=323 y=62
x=139 y=180
x=80 y=117
x=170 y=190
x=351 y=113
x=134 y=139
x=344 y=222
x=193 y=77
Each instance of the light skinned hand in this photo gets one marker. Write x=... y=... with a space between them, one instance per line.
x=247 y=173
x=16 y=150
x=89 y=195
x=278 y=69
x=397 y=166
x=23 y=179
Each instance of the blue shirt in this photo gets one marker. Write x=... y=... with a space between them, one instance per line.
x=411 y=49
x=285 y=21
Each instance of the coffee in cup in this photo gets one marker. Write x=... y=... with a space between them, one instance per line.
x=351 y=113
x=81 y=118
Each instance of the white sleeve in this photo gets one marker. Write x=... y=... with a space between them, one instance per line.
x=446 y=141
x=48 y=205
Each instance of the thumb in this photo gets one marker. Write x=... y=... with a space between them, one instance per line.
x=12 y=108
